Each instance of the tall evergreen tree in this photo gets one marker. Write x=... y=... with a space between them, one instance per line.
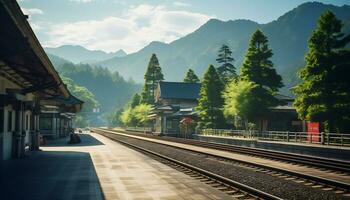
x=226 y=70
x=258 y=68
x=152 y=77
x=191 y=77
x=210 y=102
x=324 y=92
x=135 y=100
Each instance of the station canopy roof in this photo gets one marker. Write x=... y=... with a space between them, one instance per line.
x=22 y=59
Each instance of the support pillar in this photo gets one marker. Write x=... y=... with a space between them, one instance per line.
x=19 y=133
x=34 y=133
x=35 y=145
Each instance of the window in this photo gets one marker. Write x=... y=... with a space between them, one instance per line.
x=169 y=124
x=172 y=125
x=45 y=123
x=9 y=121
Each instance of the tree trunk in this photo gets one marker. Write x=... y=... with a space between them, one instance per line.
x=246 y=124
x=330 y=124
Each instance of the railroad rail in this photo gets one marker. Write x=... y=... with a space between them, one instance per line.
x=323 y=181
x=230 y=187
x=318 y=162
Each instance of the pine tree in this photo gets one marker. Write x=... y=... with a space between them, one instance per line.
x=191 y=77
x=258 y=68
x=226 y=70
x=152 y=77
x=324 y=92
x=210 y=102
x=135 y=100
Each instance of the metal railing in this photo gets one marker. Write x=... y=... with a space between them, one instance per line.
x=139 y=129
x=338 y=139
x=227 y=133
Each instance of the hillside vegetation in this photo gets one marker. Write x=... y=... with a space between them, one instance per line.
x=110 y=90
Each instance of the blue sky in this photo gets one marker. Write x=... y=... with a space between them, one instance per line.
x=110 y=25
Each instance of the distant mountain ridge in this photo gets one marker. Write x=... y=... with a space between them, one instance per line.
x=288 y=36
x=79 y=54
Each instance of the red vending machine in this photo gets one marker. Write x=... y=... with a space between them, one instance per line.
x=313 y=131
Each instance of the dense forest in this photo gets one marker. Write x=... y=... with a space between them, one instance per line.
x=85 y=117
x=101 y=83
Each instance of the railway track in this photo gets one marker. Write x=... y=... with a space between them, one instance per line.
x=326 y=164
x=317 y=162
x=338 y=187
x=232 y=188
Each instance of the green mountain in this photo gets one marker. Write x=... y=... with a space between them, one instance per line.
x=56 y=60
x=288 y=36
x=79 y=54
x=110 y=90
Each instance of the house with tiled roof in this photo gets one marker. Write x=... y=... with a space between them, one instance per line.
x=175 y=103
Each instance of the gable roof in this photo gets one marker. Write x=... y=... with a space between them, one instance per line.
x=284 y=97
x=178 y=90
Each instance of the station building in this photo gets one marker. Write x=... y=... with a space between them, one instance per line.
x=33 y=97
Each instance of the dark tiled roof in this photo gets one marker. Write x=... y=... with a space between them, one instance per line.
x=283 y=97
x=71 y=100
x=179 y=90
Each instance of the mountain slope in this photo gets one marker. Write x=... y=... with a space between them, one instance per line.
x=56 y=60
x=196 y=50
x=79 y=54
x=288 y=36
x=99 y=81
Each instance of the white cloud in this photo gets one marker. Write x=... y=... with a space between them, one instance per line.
x=181 y=4
x=35 y=27
x=82 y=1
x=137 y=27
x=32 y=11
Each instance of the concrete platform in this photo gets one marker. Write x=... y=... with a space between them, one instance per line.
x=98 y=168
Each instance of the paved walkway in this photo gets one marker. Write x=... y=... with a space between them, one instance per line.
x=98 y=168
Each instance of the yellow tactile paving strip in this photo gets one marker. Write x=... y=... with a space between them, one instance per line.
x=127 y=174
x=257 y=160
